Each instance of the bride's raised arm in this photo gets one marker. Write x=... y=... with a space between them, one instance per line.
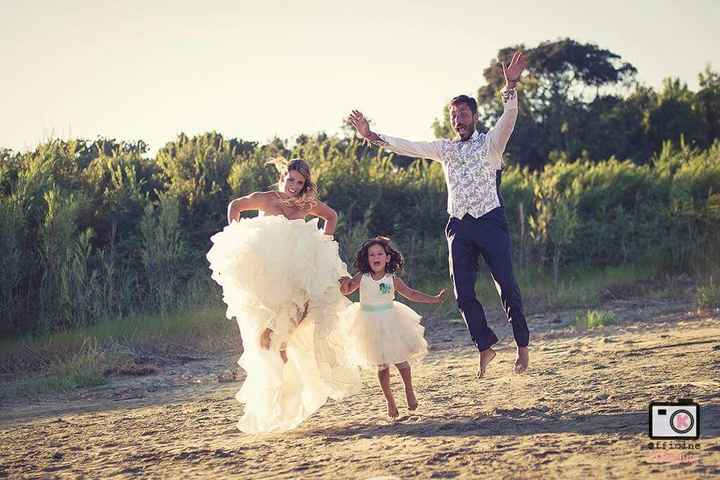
x=253 y=201
x=323 y=211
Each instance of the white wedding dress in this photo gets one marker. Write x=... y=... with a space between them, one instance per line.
x=283 y=274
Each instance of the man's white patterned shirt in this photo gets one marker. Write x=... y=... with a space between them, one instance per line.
x=470 y=166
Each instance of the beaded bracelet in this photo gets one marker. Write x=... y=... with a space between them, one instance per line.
x=508 y=94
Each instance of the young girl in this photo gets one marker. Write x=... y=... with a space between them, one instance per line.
x=384 y=331
x=279 y=276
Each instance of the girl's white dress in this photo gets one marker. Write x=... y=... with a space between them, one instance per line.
x=383 y=331
x=283 y=274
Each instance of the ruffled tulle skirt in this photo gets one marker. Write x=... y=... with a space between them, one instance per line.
x=283 y=274
x=385 y=337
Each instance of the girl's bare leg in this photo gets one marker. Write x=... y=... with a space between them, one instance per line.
x=406 y=375
x=384 y=379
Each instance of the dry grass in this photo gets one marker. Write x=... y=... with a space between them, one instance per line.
x=63 y=361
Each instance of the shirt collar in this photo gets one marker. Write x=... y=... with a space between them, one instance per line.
x=472 y=138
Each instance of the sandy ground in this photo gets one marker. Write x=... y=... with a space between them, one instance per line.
x=580 y=411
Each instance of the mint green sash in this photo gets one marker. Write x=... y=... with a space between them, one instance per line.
x=376 y=308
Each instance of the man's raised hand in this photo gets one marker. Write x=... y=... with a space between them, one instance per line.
x=358 y=120
x=513 y=71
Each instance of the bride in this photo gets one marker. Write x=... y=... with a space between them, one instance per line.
x=279 y=276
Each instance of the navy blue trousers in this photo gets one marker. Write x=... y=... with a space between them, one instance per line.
x=468 y=239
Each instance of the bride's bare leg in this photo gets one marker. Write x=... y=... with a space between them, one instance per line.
x=265 y=338
x=302 y=313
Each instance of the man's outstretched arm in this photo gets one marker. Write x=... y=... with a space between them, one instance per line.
x=400 y=146
x=499 y=135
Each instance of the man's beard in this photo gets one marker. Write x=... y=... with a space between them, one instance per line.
x=464 y=133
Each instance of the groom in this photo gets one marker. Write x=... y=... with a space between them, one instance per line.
x=477 y=226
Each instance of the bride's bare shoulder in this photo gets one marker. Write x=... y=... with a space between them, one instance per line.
x=268 y=197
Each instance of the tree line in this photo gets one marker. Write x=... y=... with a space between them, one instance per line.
x=100 y=230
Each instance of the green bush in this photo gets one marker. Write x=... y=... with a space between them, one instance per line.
x=708 y=295
x=594 y=319
x=96 y=230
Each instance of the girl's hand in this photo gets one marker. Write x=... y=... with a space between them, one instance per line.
x=265 y=338
x=344 y=283
x=440 y=297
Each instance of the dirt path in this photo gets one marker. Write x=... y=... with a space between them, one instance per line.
x=581 y=411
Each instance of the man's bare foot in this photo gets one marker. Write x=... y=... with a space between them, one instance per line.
x=486 y=356
x=392 y=410
x=522 y=360
x=283 y=355
x=412 y=402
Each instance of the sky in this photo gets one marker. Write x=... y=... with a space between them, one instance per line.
x=260 y=69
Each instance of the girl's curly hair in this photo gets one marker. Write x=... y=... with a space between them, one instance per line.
x=396 y=259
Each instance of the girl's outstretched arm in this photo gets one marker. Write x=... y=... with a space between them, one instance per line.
x=415 y=295
x=349 y=285
x=323 y=211
x=254 y=201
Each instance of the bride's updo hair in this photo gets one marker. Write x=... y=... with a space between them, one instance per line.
x=305 y=198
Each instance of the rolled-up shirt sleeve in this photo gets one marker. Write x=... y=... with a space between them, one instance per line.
x=430 y=150
x=499 y=135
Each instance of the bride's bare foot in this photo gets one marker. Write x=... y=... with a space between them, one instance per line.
x=486 y=356
x=522 y=360
x=392 y=410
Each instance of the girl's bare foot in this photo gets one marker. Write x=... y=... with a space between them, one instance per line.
x=392 y=410
x=486 y=356
x=283 y=355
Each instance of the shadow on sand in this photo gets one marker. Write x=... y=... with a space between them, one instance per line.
x=517 y=422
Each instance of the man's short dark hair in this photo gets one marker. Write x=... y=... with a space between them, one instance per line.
x=469 y=101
